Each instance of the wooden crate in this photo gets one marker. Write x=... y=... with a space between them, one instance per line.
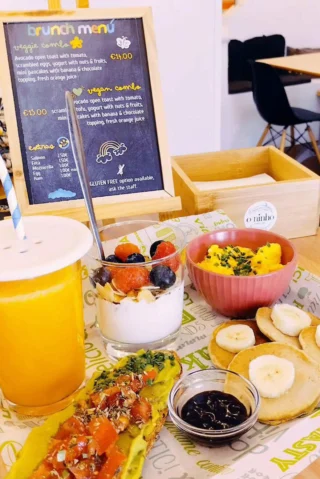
x=295 y=194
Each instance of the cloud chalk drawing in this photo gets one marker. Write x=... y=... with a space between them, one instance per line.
x=61 y=193
x=104 y=159
x=120 y=150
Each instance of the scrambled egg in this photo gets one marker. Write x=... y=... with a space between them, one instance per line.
x=239 y=261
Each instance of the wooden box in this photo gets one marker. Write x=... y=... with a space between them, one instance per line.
x=295 y=194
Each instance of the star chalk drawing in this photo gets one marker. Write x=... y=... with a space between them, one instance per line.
x=76 y=43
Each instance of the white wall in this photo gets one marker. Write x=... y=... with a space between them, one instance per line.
x=188 y=38
x=12 y=5
x=298 y=22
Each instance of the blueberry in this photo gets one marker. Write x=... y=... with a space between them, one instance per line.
x=154 y=246
x=101 y=276
x=135 y=258
x=162 y=276
x=112 y=258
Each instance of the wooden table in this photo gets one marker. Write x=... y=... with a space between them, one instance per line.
x=308 y=63
x=3 y=469
x=309 y=252
x=310 y=472
x=309 y=258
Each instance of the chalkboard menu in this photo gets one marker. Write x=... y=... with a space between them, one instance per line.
x=105 y=62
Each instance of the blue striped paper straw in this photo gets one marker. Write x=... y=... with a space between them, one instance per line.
x=12 y=200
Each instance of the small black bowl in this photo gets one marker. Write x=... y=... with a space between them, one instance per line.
x=214 y=380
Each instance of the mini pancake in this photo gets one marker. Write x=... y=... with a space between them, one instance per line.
x=300 y=399
x=307 y=340
x=307 y=412
x=266 y=326
x=222 y=358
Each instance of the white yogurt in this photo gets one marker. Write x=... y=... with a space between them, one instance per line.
x=141 y=322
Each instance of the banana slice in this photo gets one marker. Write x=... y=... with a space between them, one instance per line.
x=318 y=336
x=271 y=375
x=289 y=319
x=235 y=338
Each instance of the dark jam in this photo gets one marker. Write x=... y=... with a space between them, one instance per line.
x=214 y=410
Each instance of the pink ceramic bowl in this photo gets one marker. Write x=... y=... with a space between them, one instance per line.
x=240 y=296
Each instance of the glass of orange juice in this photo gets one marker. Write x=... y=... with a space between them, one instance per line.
x=42 y=360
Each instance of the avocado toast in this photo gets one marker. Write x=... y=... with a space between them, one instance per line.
x=108 y=431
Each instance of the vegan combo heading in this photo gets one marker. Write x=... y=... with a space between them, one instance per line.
x=68 y=29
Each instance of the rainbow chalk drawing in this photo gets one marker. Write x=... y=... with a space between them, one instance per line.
x=12 y=200
x=108 y=149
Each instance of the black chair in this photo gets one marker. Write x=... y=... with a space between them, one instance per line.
x=256 y=48
x=272 y=103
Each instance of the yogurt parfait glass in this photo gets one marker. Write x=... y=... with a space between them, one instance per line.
x=139 y=288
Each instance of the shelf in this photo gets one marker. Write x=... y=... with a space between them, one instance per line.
x=2 y=195
x=226 y=4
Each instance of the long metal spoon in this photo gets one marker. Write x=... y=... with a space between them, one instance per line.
x=80 y=160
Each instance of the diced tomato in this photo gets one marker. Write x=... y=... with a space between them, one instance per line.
x=67 y=451
x=114 y=400
x=106 y=398
x=92 y=447
x=71 y=426
x=149 y=376
x=114 y=462
x=75 y=451
x=127 y=380
x=124 y=379
x=141 y=410
x=103 y=433
x=53 y=457
x=136 y=385
x=97 y=398
x=84 y=469
x=54 y=444
x=43 y=472
x=113 y=396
